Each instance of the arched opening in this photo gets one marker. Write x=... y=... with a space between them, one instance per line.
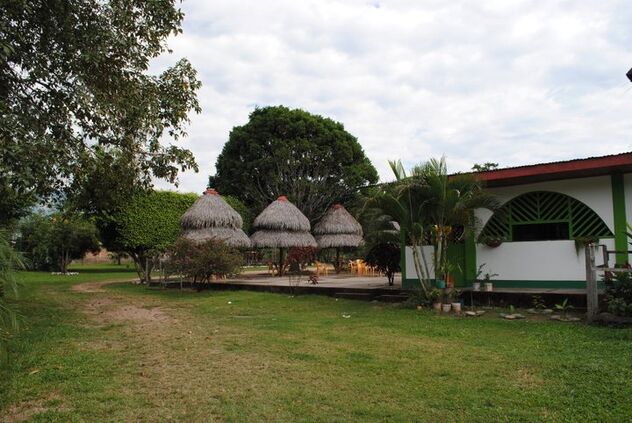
x=544 y=216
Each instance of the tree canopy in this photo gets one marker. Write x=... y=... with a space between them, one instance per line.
x=74 y=89
x=309 y=158
x=148 y=225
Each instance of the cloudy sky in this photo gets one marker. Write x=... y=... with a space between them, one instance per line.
x=512 y=82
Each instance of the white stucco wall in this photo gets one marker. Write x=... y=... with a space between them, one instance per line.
x=547 y=260
x=411 y=273
x=536 y=260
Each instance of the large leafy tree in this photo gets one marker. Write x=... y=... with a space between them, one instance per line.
x=146 y=227
x=307 y=157
x=55 y=240
x=74 y=89
x=432 y=208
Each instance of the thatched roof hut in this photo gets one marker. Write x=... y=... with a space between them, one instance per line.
x=282 y=225
x=210 y=217
x=338 y=229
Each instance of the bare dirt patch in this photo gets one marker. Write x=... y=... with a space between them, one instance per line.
x=93 y=287
x=113 y=310
x=24 y=411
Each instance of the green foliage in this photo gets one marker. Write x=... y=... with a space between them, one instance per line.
x=419 y=297
x=280 y=151
x=151 y=222
x=10 y=262
x=74 y=86
x=34 y=241
x=385 y=257
x=55 y=240
x=619 y=293
x=14 y=203
x=564 y=306
x=537 y=302
x=71 y=237
x=484 y=167
x=200 y=262
x=147 y=226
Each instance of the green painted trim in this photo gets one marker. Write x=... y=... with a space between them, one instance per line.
x=412 y=283
x=620 y=220
x=470 y=259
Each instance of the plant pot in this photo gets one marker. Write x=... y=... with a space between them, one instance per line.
x=489 y=286
x=446 y=307
x=437 y=306
x=476 y=286
x=419 y=308
x=456 y=307
x=493 y=243
x=440 y=283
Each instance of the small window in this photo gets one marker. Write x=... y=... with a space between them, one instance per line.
x=541 y=231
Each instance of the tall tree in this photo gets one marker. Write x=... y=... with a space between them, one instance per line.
x=74 y=87
x=309 y=158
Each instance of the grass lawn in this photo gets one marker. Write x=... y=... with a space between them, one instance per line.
x=120 y=352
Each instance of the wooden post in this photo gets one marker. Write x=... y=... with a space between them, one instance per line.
x=592 y=296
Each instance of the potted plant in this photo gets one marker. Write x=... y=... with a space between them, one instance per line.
x=491 y=241
x=455 y=294
x=433 y=297
x=484 y=279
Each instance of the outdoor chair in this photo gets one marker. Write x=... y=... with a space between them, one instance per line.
x=321 y=269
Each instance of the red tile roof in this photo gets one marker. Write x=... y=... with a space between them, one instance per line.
x=578 y=168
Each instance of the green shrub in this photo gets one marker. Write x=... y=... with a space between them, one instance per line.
x=619 y=293
x=52 y=242
x=200 y=262
x=385 y=257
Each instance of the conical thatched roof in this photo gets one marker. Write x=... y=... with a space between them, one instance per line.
x=210 y=211
x=337 y=220
x=338 y=228
x=233 y=237
x=282 y=215
x=210 y=217
x=282 y=225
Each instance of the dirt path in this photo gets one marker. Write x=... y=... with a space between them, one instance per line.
x=96 y=286
x=112 y=307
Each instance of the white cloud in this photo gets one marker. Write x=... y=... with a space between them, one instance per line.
x=508 y=82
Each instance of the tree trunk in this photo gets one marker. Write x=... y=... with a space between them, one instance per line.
x=138 y=264
x=281 y=262
x=338 y=267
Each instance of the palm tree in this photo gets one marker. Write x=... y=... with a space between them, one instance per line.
x=430 y=205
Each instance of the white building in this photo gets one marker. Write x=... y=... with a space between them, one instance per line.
x=535 y=239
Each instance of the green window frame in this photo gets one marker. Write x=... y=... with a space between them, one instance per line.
x=545 y=207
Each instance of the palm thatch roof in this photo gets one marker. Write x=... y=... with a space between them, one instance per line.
x=282 y=225
x=282 y=239
x=338 y=240
x=282 y=215
x=338 y=228
x=337 y=220
x=210 y=211
x=210 y=217
x=230 y=236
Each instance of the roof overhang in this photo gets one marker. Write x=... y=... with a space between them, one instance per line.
x=579 y=168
